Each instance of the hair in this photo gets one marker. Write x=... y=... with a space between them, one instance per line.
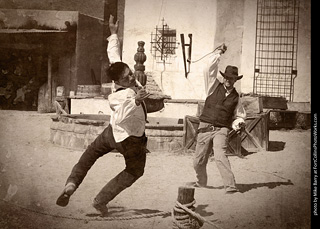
x=116 y=70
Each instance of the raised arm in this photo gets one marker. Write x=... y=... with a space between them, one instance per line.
x=210 y=71
x=113 y=49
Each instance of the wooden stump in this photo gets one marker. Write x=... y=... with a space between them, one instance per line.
x=185 y=195
x=183 y=219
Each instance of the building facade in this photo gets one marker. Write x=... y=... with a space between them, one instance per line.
x=269 y=41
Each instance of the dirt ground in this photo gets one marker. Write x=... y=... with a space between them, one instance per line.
x=274 y=185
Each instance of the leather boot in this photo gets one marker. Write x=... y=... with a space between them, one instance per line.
x=122 y=181
x=64 y=197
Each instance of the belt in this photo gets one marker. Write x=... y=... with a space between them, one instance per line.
x=208 y=129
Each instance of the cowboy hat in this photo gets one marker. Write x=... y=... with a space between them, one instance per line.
x=231 y=72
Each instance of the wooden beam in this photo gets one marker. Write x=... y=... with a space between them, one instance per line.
x=49 y=81
x=274 y=103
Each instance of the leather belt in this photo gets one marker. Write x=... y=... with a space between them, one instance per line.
x=208 y=129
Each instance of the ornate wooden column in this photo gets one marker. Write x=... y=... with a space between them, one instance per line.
x=139 y=68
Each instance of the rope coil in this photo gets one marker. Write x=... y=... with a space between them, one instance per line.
x=190 y=219
x=186 y=219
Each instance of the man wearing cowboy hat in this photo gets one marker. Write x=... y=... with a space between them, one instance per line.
x=222 y=111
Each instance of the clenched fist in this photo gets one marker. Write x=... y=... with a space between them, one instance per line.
x=141 y=95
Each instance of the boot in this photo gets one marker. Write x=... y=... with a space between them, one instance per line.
x=122 y=181
x=101 y=208
x=64 y=197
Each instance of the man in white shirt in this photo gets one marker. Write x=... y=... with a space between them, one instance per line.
x=124 y=133
x=222 y=111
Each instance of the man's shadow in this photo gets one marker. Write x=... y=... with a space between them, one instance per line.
x=271 y=185
x=246 y=187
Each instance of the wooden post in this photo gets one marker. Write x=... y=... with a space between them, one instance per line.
x=182 y=218
x=185 y=196
x=140 y=57
x=49 y=82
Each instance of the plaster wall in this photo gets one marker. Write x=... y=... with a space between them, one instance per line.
x=186 y=16
x=229 y=30
x=248 y=45
x=211 y=23
x=302 y=83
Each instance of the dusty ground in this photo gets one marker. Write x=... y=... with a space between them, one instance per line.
x=274 y=185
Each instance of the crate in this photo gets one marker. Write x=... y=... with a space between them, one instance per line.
x=253 y=139
x=282 y=119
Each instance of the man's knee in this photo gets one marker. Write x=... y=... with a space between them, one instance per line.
x=136 y=173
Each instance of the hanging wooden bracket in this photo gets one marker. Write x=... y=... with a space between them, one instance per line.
x=188 y=60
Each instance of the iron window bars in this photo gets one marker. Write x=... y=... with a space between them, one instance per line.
x=276 y=48
x=163 y=42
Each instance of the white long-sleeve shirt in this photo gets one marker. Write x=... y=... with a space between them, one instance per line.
x=211 y=82
x=127 y=119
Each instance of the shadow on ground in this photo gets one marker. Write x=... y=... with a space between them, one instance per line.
x=200 y=209
x=276 y=146
x=271 y=185
x=122 y=212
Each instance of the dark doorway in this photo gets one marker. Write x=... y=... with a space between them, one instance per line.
x=22 y=72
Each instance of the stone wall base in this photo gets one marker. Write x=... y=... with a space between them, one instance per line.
x=77 y=133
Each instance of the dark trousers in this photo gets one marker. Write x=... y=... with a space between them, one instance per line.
x=134 y=151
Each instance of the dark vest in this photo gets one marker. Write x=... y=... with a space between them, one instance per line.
x=219 y=109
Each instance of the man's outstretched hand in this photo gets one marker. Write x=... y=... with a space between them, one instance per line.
x=113 y=26
x=141 y=95
x=222 y=48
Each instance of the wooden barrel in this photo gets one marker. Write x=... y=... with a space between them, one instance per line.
x=88 y=90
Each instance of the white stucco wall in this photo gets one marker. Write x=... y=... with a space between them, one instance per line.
x=248 y=45
x=186 y=16
x=200 y=19
x=302 y=83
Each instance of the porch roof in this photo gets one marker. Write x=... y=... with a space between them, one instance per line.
x=19 y=31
